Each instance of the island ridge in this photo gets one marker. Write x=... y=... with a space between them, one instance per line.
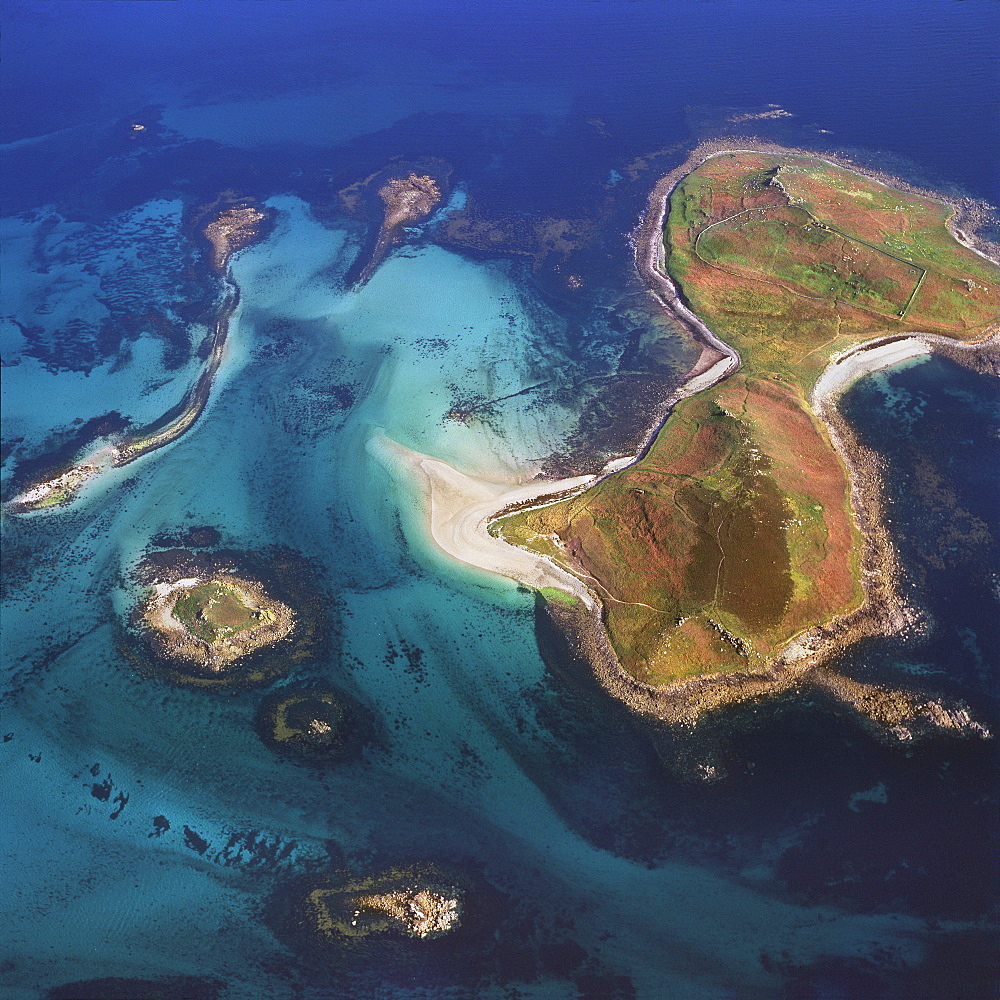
x=231 y=229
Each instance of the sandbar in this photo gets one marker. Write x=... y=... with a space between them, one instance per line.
x=459 y=508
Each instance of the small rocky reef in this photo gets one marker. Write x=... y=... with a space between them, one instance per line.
x=406 y=902
x=405 y=198
x=313 y=725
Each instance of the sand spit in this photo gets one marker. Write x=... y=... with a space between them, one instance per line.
x=62 y=490
x=459 y=509
x=59 y=490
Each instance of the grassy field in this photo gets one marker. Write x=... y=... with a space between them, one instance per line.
x=789 y=249
x=735 y=532
x=212 y=611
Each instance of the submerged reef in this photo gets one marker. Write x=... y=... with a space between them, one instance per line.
x=225 y=618
x=168 y=988
x=746 y=543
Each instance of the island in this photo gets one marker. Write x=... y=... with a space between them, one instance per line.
x=406 y=200
x=223 y=617
x=229 y=229
x=745 y=543
x=408 y=903
x=208 y=623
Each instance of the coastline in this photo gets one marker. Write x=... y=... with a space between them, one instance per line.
x=459 y=508
x=966 y=217
x=233 y=230
x=459 y=526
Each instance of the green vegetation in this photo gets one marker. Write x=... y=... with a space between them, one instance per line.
x=553 y=594
x=56 y=497
x=706 y=554
x=735 y=532
x=212 y=612
x=788 y=247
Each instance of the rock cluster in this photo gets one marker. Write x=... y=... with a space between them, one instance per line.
x=405 y=903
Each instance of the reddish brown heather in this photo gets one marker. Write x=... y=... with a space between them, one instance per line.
x=738 y=530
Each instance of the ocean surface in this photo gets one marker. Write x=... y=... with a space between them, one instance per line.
x=152 y=840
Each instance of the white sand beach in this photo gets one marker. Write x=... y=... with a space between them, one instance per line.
x=845 y=369
x=458 y=509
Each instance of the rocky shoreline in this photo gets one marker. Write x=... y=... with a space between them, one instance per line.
x=175 y=642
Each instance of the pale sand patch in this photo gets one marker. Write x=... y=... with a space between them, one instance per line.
x=458 y=509
x=163 y=589
x=718 y=371
x=845 y=369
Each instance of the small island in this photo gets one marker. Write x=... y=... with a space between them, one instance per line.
x=407 y=903
x=232 y=229
x=313 y=725
x=407 y=200
x=223 y=617
x=209 y=623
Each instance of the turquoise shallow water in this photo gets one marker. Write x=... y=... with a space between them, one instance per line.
x=445 y=658
x=152 y=833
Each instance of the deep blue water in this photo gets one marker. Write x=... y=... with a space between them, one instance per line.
x=823 y=864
